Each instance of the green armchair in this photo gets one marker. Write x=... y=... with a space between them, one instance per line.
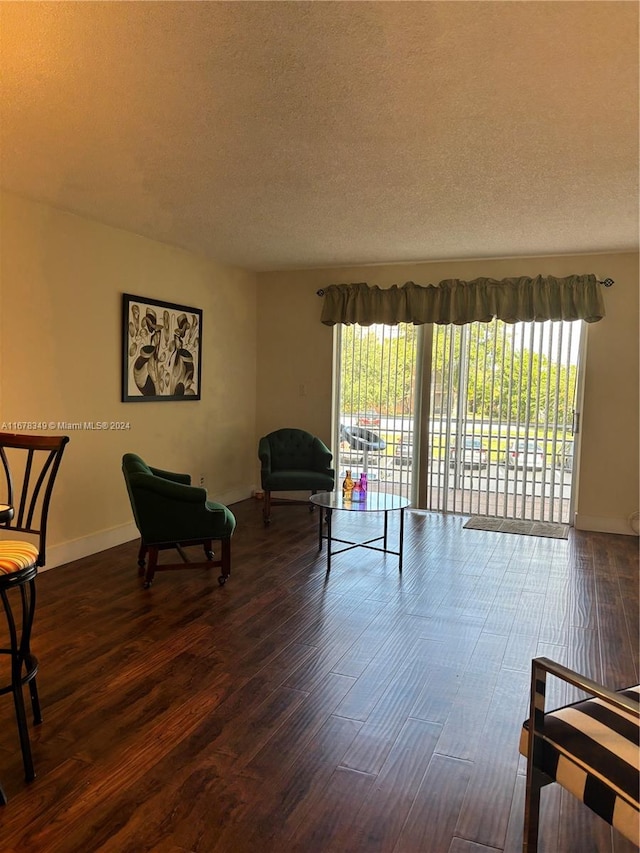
x=171 y=513
x=293 y=460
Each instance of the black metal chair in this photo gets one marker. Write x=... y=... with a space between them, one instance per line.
x=30 y=464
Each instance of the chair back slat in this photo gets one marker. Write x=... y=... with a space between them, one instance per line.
x=41 y=480
x=7 y=476
x=24 y=492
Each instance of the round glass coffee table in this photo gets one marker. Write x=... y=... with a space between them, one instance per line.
x=373 y=502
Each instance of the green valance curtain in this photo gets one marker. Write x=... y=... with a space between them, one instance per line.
x=514 y=300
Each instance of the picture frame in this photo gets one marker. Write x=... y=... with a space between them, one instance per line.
x=161 y=351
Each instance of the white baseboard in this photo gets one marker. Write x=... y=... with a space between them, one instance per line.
x=604 y=525
x=66 y=552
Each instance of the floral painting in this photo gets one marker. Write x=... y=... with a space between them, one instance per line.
x=161 y=350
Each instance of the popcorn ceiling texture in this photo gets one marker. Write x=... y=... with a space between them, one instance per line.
x=276 y=135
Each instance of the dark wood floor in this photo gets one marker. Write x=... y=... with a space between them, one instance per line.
x=291 y=711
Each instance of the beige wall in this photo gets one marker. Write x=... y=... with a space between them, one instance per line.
x=61 y=280
x=295 y=364
x=267 y=362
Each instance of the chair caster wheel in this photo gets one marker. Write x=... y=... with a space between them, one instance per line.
x=209 y=555
x=267 y=522
x=222 y=580
x=141 y=564
x=147 y=584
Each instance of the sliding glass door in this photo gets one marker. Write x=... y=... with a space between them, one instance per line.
x=479 y=419
x=377 y=391
x=503 y=419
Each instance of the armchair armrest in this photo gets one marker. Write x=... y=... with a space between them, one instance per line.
x=541 y=666
x=322 y=455
x=166 y=511
x=169 y=489
x=185 y=479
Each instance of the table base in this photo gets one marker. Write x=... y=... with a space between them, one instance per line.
x=366 y=544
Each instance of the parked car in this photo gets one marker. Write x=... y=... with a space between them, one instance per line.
x=474 y=455
x=403 y=451
x=370 y=418
x=525 y=454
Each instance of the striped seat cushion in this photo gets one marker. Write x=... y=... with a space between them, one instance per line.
x=16 y=556
x=592 y=750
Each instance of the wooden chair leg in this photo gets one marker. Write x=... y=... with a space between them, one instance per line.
x=266 y=507
x=142 y=553
x=225 y=556
x=151 y=566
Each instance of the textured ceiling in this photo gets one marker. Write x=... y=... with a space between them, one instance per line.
x=272 y=135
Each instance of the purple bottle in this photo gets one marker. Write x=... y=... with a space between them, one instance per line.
x=363 y=483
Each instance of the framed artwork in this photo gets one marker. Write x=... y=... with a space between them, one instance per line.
x=161 y=350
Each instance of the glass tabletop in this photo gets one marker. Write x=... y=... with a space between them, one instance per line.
x=373 y=502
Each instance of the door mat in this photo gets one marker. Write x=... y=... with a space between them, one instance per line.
x=524 y=528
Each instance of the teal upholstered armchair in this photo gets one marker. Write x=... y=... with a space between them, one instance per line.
x=293 y=460
x=171 y=513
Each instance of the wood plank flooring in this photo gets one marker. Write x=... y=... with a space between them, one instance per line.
x=361 y=712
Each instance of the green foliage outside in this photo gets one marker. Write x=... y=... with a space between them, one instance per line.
x=377 y=370
x=506 y=383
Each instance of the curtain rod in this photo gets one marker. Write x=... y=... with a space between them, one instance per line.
x=607 y=282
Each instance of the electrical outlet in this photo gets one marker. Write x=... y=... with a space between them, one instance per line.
x=202 y=479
